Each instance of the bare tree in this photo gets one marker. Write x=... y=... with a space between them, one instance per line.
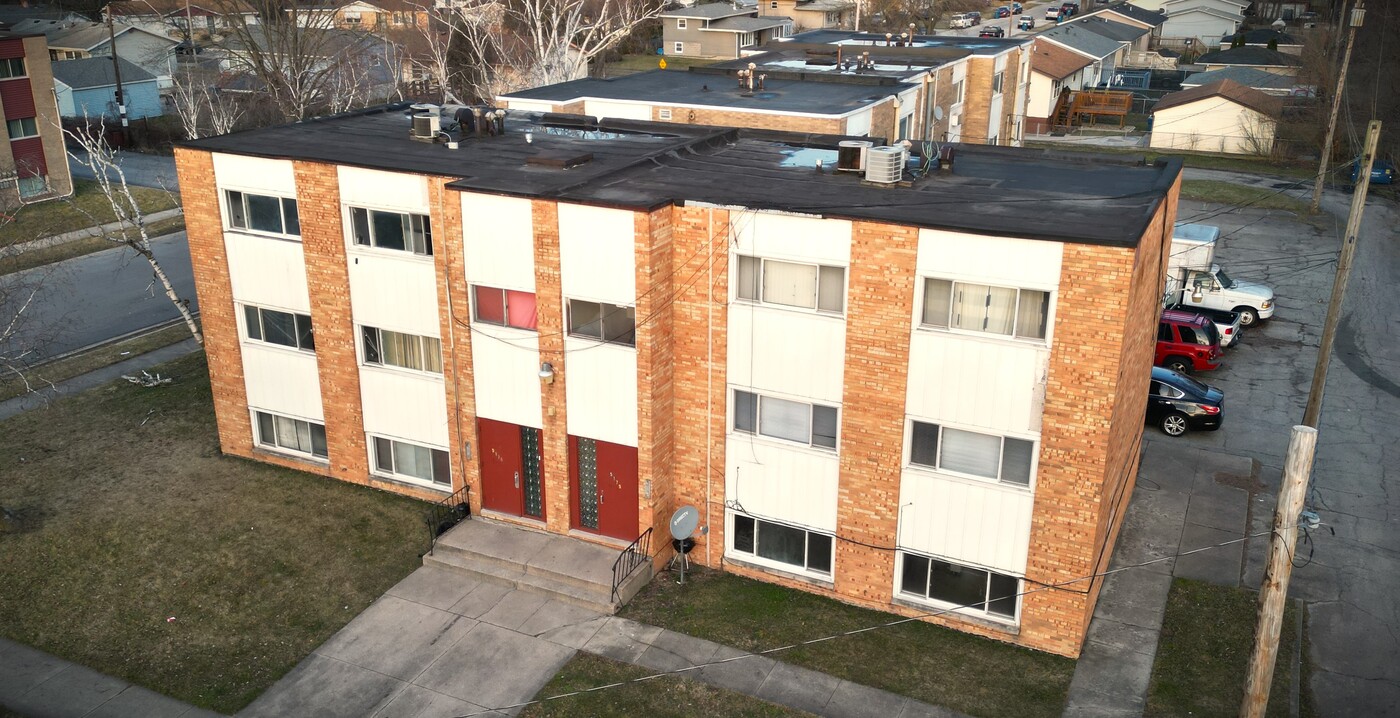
x=201 y=108
x=131 y=232
x=543 y=42
x=19 y=346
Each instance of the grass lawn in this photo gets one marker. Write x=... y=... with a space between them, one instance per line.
x=1228 y=163
x=146 y=554
x=669 y=697
x=920 y=660
x=1231 y=193
x=57 y=371
x=78 y=248
x=57 y=216
x=1203 y=653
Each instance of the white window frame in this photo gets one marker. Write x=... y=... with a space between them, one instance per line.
x=757 y=431
x=758 y=299
x=928 y=600
x=605 y=309
x=33 y=186
x=412 y=234
x=248 y=229
x=938 y=467
x=998 y=82
x=261 y=444
x=1050 y=299
x=679 y=48
x=505 y=307
x=663 y=113
x=33 y=122
x=421 y=343
x=261 y=339
x=680 y=23
x=374 y=468
x=755 y=558
x=9 y=72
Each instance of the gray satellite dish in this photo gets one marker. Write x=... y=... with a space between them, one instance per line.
x=938 y=113
x=683 y=523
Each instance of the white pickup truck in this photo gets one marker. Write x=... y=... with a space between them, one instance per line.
x=1195 y=280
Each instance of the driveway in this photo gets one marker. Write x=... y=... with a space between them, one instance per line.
x=1349 y=571
x=141 y=170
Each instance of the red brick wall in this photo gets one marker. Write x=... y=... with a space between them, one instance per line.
x=655 y=408
x=700 y=240
x=549 y=310
x=728 y=118
x=455 y=319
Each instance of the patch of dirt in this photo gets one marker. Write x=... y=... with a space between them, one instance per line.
x=1246 y=482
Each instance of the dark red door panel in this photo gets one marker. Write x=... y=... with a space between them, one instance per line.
x=617 y=491
x=500 y=466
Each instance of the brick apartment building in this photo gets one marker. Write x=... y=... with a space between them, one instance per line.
x=938 y=88
x=33 y=166
x=907 y=397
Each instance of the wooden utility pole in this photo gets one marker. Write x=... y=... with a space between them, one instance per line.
x=117 y=71
x=1273 y=593
x=1358 y=13
x=1339 y=285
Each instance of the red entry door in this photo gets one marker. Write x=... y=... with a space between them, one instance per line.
x=501 y=467
x=605 y=487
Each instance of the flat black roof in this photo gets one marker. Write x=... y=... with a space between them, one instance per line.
x=779 y=94
x=1036 y=194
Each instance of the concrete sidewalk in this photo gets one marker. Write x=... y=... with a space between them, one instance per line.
x=33 y=683
x=442 y=644
x=77 y=234
x=1186 y=499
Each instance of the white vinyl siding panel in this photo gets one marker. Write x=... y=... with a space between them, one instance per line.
x=404 y=406
x=274 y=177
x=498 y=241
x=966 y=521
x=597 y=254
x=267 y=272
x=1003 y=261
x=770 y=235
x=601 y=391
x=506 y=369
x=796 y=486
x=395 y=292
x=858 y=125
x=617 y=110
x=282 y=381
x=396 y=191
x=970 y=381
x=787 y=352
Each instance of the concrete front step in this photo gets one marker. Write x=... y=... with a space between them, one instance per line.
x=561 y=567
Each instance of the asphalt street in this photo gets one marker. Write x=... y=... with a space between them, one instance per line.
x=141 y=170
x=100 y=296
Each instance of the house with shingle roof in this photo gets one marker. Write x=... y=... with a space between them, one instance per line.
x=1223 y=116
x=87 y=88
x=1104 y=53
x=1053 y=70
x=1259 y=58
x=721 y=30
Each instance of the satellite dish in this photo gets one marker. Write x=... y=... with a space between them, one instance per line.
x=938 y=113
x=684 y=521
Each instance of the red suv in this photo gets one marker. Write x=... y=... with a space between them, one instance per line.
x=1187 y=342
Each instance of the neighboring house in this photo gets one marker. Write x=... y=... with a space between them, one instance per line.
x=1131 y=14
x=72 y=40
x=1105 y=54
x=1263 y=37
x=1259 y=58
x=1053 y=70
x=33 y=166
x=811 y=14
x=1223 y=116
x=372 y=15
x=87 y=88
x=1204 y=19
x=10 y=14
x=923 y=399
x=173 y=18
x=718 y=30
x=356 y=63
x=1269 y=83
x=942 y=88
x=1137 y=36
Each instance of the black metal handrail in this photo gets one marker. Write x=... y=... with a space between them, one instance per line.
x=445 y=514
x=636 y=555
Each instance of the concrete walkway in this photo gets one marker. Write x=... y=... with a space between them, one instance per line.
x=35 y=684
x=96 y=378
x=1186 y=499
x=84 y=233
x=442 y=644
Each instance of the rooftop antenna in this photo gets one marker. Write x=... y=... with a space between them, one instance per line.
x=683 y=523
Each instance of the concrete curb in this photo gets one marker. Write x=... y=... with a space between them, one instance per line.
x=77 y=234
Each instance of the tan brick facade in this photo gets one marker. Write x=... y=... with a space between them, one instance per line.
x=455 y=319
x=549 y=311
x=655 y=367
x=762 y=121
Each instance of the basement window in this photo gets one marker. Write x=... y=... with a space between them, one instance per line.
x=809 y=286
x=405 y=351
x=418 y=464
x=788 y=546
x=967 y=589
x=504 y=307
x=392 y=230
x=271 y=326
x=1004 y=459
x=283 y=433
x=261 y=213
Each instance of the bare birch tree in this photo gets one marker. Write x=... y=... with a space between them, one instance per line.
x=203 y=111
x=132 y=230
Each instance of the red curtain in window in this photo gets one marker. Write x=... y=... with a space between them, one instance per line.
x=522 y=309
x=490 y=305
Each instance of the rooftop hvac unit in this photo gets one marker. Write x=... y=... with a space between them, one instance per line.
x=426 y=126
x=884 y=165
x=850 y=155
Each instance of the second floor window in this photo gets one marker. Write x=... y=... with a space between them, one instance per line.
x=504 y=307
x=260 y=213
x=406 y=351
x=600 y=320
x=810 y=424
x=287 y=329
x=791 y=284
x=997 y=81
x=1008 y=311
x=23 y=127
x=13 y=67
x=1004 y=459
x=392 y=230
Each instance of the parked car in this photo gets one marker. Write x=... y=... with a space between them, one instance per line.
x=1052 y=12
x=976 y=17
x=1003 y=11
x=1187 y=342
x=1229 y=324
x=1072 y=7
x=1026 y=22
x=1017 y=9
x=1382 y=172
x=1176 y=403
x=992 y=31
x=967 y=19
